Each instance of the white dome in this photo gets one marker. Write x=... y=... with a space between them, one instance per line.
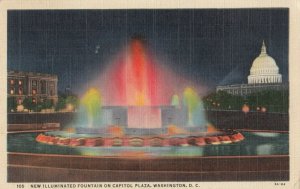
x=264 y=69
x=264 y=64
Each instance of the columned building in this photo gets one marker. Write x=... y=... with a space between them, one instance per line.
x=264 y=75
x=37 y=86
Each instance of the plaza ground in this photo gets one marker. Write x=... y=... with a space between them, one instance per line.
x=62 y=168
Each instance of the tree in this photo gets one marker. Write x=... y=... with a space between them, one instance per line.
x=46 y=104
x=61 y=103
x=272 y=100
x=223 y=100
x=72 y=100
x=11 y=104
x=28 y=104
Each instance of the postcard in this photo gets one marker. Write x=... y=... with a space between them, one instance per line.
x=149 y=94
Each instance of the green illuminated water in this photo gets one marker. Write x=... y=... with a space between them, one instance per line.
x=196 y=113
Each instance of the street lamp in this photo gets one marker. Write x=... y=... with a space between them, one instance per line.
x=245 y=108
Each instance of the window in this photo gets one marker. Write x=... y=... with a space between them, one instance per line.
x=20 y=91
x=34 y=83
x=33 y=91
x=43 y=87
x=12 y=82
x=12 y=91
x=19 y=101
x=51 y=88
x=51 y=84
x=20 y=82
x=34 y=100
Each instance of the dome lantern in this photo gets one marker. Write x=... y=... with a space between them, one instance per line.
x=263 y=49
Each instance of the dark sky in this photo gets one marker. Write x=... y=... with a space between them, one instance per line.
x=211 y=46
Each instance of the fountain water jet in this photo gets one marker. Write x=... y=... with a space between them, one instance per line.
x=91 y=106
x=175 y=101
x=196 y=113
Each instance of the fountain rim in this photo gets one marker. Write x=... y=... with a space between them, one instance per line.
x=229 y=136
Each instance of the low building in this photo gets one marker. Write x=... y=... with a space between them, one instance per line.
x=246 y=89
x=264 y=75
x=38 y=86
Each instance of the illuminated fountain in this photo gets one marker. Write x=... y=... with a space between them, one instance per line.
x=140 y=106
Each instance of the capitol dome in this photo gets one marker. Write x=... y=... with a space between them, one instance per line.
x=264 y=69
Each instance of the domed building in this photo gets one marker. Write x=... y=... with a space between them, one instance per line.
x=264 y=75
x=264 y=69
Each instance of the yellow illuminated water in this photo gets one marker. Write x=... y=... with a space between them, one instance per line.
x=192 y=101
x=91 y=100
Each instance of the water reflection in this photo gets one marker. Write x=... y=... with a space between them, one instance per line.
x=264 y=149
x=266 y=134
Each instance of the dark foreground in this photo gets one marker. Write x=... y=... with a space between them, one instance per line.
x=61 y=168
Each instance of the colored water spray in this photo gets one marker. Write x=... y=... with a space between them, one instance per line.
x=92 y=103
x=175 y=101
x=196 y=113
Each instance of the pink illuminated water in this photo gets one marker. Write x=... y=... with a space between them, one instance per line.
x=137 y=79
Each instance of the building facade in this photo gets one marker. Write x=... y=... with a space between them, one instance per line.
x=246 y=89
x=264 y=75
x=38 y=86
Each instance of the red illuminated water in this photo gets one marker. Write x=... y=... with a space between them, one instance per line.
x=137 y=79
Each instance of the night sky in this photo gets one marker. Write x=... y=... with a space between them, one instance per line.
x=211 y=47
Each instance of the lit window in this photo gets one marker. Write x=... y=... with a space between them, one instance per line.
x=33 y=91
x=20 y=82
x=34 y=100
x=12 y=91
x=12 y=82
x=19 y=101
